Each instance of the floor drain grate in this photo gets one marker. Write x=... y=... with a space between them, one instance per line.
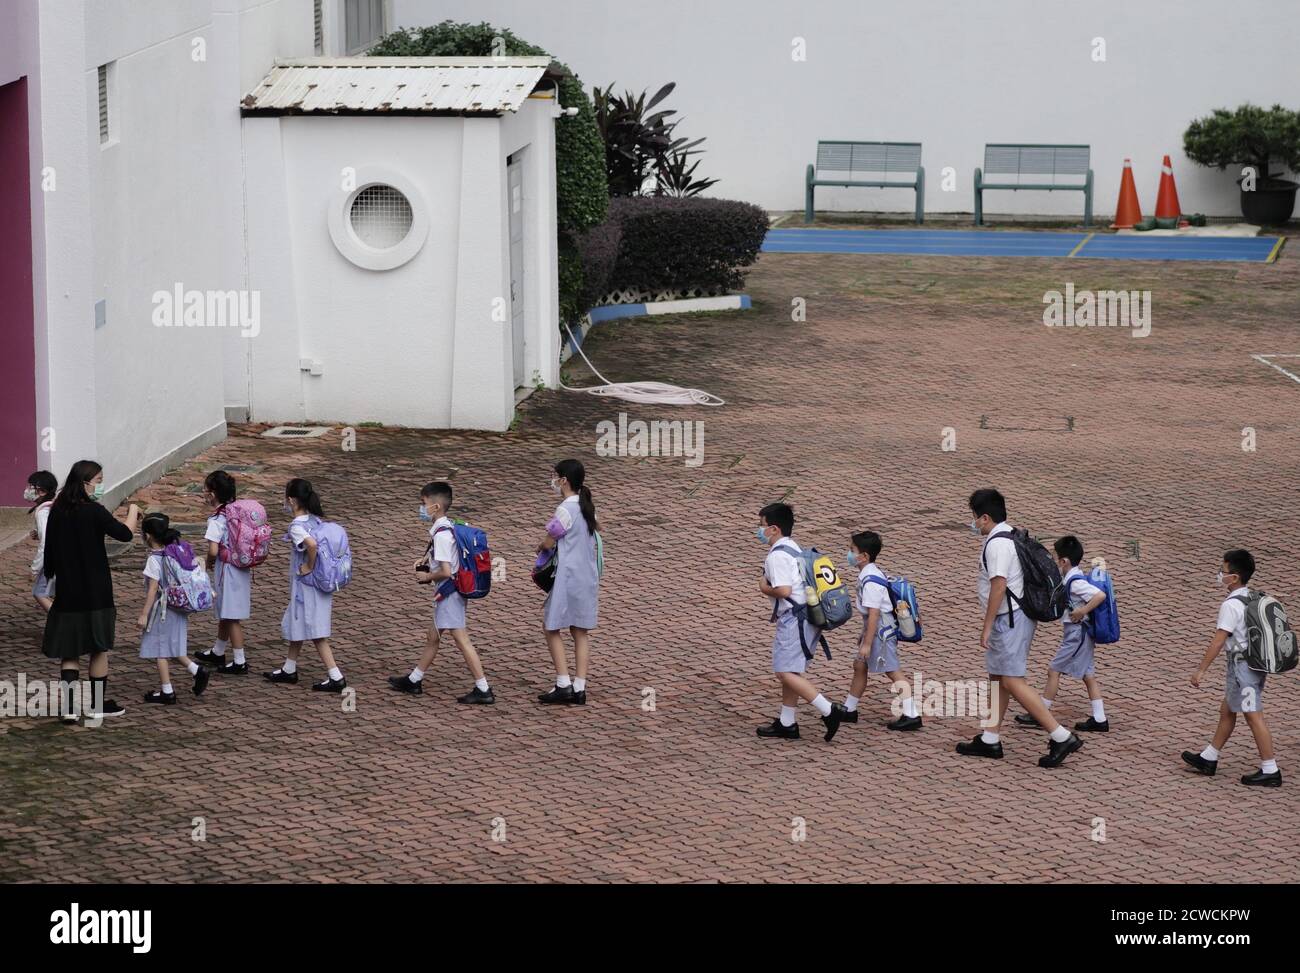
x=296 y=432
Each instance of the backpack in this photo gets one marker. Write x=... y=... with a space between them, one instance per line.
x=473 y=578
x=900 y=589
x=333 y=568
x=1271 y=644
x=1103 y=620
x=834 y=605
x=185 y=582
x=1045 y=598
x=248 y=534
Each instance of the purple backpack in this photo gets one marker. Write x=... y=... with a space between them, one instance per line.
x=333 y=568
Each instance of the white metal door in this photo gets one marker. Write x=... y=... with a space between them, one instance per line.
x=515 y=181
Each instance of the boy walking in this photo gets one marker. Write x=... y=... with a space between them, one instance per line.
x=1007 y=634
x=783 y=582
x=1245 y=687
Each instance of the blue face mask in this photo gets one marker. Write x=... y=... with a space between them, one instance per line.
x=851 y=560
x=424 y=513
x=975 y=527
x=98 y=491
x=762 y=537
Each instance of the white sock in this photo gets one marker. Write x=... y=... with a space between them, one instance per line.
x=822 y=705
x=562 y=681
x=909 y=707
x=1098 y=711
x=336 y=675
x=851 y=703
x=1047 y=702
x=166 y=689
x=1209 y=753
x=481 y=685
x=193 y=667
x=989 y=737
x=579 y=685
x=1060 y=734
x=289 y=667
x=787 y=716
x=416 y=674
x=239 y=657
x=1268 y=767
x=219 y=647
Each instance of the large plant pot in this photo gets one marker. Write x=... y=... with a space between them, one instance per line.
x=1269 y=203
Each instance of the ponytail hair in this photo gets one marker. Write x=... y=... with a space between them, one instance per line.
x=44 y=483
x=302 y=491
x=74 y=487
x=221 y=485
x=157 y=527
x=572 y=471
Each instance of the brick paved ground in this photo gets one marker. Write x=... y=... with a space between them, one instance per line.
x=846 y=410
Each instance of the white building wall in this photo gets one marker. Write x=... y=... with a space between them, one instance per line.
x=952 y=74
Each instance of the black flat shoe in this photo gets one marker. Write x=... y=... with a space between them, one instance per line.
x=905 y=724
x=833 y=720
x=233 y=669
x=209 y=658
x=1092 y=726
x=1057 y=752
x=1261 y=779
x=579 y=698
x=403 y=684
x=978 y=748
x=776 y=730
x=281 y=676
x=1024 y=719
x=558 y=696
x=850 y=716
x=158 y=696
x=201 y=681
x=109 y=709
x=475 y=697
x=1200 y=764
x=329 y=686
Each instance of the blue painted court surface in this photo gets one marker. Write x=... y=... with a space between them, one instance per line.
x=994 y=243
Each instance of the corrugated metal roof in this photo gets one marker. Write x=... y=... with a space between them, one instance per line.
x=420 y=85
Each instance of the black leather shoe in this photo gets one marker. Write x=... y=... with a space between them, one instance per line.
x=233 y=669
x=833 y=720
x=905 y=724
x=1024 y=719
x=1261 y=779
x=329 y=686
x=209 y=658
x=158 y=696
x=978 y=748
x=779 y=731
x=403 y=684
x=1200 y=764
x=201 y=680
x=476 y=697
x=1092 y=726
x=281 y=676
x=850 y=716
x=558 y=696
x=1057 y=752
x=579 y=698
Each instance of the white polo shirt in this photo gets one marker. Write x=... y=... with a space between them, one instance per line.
x=1002 y=563
x=782 y=568
x=1232 y=619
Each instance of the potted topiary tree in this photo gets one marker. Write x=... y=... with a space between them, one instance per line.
x=1258 y=138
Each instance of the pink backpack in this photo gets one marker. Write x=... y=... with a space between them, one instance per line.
x=248 y=534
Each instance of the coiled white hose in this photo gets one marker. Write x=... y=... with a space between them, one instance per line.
x=654 y=393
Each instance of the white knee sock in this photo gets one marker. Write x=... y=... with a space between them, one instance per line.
x=822 y=705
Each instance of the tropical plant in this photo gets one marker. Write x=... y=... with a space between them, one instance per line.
x=640 y=144
x=673 y=177
x=1254 y=136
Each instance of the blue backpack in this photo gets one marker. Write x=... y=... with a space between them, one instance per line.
x=1104 y=619
x=333 y=568
x=473 y=578
x=900 y=589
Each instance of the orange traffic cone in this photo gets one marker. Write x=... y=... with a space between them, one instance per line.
x=1167 y=205
x=1127 y=210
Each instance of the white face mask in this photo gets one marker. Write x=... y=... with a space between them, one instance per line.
x=555 y=487
x=974 y=526
x=30 y=494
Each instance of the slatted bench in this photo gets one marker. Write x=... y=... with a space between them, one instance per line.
x=839 y=162
x=1050 y=167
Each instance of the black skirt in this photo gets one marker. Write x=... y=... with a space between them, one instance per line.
x=70 y=635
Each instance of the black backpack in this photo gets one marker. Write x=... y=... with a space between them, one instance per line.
x=1045 y=598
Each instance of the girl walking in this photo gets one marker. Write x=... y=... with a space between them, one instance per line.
x=42 y=487
x=164 y=633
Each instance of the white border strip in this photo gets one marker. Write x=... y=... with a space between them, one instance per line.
x=1266 y=360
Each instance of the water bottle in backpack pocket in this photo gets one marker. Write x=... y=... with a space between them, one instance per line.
x=333 y=568
x=903 y=602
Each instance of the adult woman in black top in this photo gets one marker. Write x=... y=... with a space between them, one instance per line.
x=82 y=619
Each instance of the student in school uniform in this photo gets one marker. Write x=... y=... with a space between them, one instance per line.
x=573 y=601
x=878 y=643
x=232 y=586
x=163 y=632
x=1007 y=634
x=782 y=581
x=1244 y=692
x=1075 y=656
x=42 y=487
x=307 y=616
x=441 y=563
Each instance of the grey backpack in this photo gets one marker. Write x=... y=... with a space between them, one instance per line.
x=1270 y=642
